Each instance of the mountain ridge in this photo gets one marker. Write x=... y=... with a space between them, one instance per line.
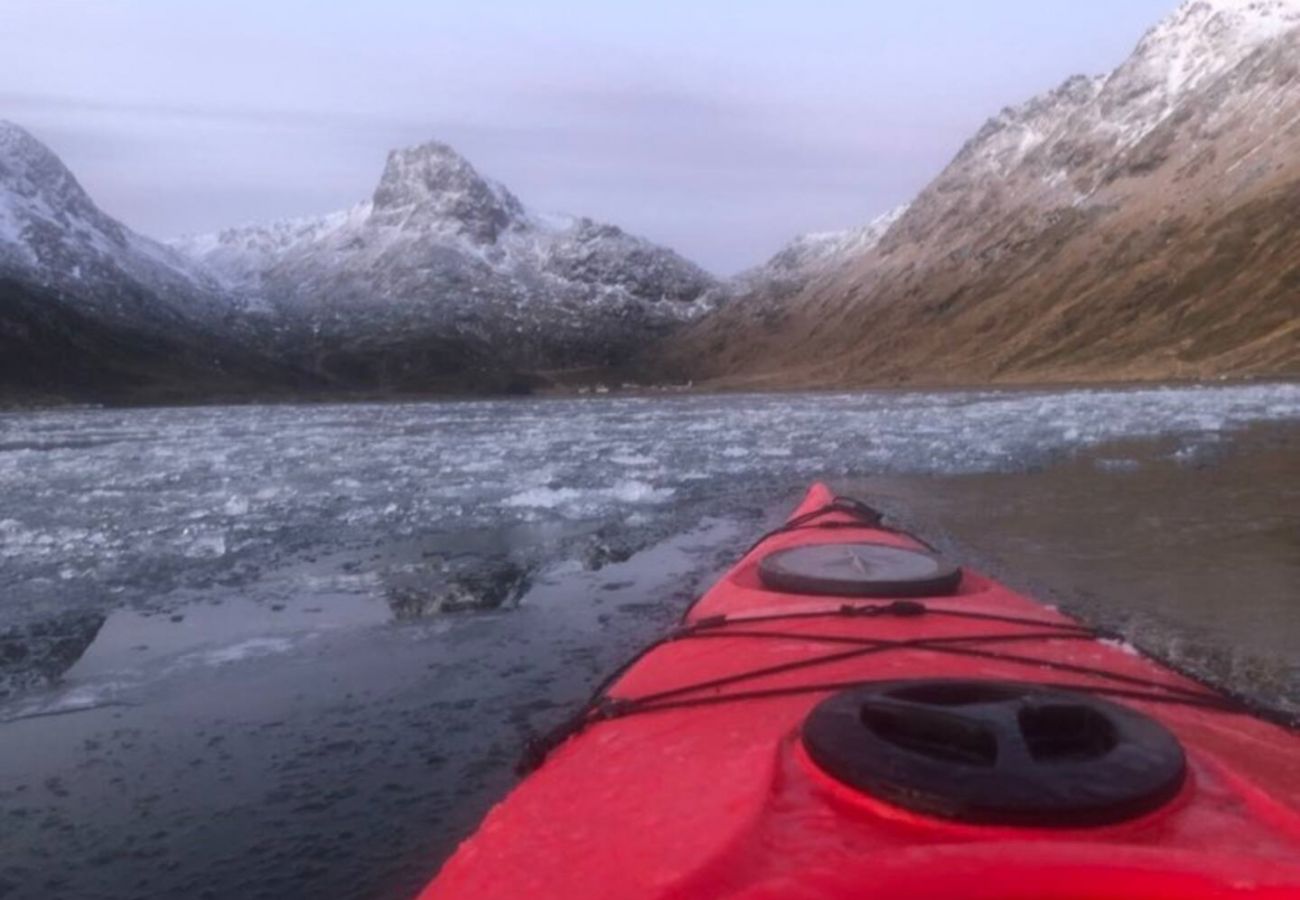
x=985 y=275
x=441 y=281
x=442 y=252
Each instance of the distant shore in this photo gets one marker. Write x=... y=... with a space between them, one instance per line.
x=595 y=389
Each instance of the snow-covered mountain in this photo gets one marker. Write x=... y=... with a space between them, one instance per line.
x=766 y=288
x=821 y=250
x=1060 y=149
x=1137 y=224
x=441 y=252
x=442 y=280
x=54 y=236
x=89 y=308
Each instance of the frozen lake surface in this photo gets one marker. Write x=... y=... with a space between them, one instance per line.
x=262 y=650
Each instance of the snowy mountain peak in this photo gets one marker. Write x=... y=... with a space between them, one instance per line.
x=431 y=185
x=1007 y=138
x=804 y=258
x=40 y=198
x=1252 y=20
x=1102 y=116
x=821 y=248
x=1198 y=41
x=448 y=267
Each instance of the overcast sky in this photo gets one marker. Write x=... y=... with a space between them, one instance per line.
x=719 y=128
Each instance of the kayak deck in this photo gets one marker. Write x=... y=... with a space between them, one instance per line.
x=697 y=784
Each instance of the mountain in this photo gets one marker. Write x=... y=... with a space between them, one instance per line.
x=1141 y=224
x=443 y=270
x=766 y=288
x=443 y=280
x=91 y=310
x=52 y=233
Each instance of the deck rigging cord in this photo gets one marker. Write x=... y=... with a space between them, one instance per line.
x=601 y=707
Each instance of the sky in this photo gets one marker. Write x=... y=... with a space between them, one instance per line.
x=719 y=128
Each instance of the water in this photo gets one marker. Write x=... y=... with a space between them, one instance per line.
x=1192 y=554
x=109 y=508
x=307 y=642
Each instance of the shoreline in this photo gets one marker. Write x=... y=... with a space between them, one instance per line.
x=705 y=389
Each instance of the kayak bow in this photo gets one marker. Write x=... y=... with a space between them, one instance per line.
x=844 y=715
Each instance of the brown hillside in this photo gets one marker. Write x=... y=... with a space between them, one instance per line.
x=1093 y=256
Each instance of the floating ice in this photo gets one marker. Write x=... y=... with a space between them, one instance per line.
x=133 y=505
x=543 y=497
x=260 y=646
x=589 y=498
x=631 y=459
x=205 y=545
x=79 y=698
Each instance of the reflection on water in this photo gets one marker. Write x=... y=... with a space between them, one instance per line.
x=275 y=753
x=39 y=651
x=495 y=583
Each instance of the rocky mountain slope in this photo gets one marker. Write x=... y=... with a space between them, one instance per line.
x=1140 y=224
x=443 y=270
x=90 y=309
x=765 y=289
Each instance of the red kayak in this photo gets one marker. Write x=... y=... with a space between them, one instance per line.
x=845 y=715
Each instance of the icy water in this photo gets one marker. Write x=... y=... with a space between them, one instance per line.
x=293 y=651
